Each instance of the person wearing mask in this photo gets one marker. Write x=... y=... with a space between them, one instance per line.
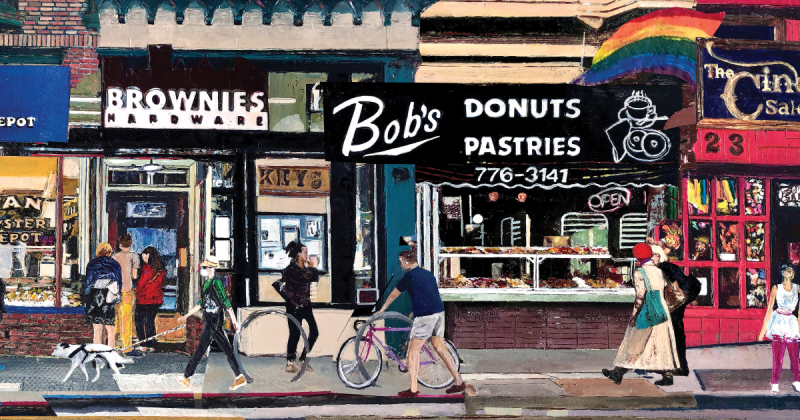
x=650 y=348
x=213 y=302
x=129 y=264
x=149 y=297
x=297 y=279
x=103 y=285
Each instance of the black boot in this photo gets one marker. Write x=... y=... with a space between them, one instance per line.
x=616 y=374
x=666 y=379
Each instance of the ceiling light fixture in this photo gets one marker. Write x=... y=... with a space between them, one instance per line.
x=152 y=167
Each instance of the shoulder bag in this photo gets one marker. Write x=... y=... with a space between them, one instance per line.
x=652 y=312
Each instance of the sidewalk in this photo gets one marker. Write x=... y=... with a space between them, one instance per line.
x=503 y=382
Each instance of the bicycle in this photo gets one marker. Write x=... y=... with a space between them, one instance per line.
x=359 y=366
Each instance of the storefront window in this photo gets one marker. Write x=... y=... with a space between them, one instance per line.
x=700 y=241
x=295 y=104
x=28 y=190
x=754 y=196
x=671 y=235
x=729 y=288
x=698 y=192
x=365 y=226
x=727 y=197
x=706 y=297
x=221 y=229
x=71 y=234
x=755 y=242
x=756 y=288
x=727 y=248
x=728 y=237
x=222 y=174
x=276 y=232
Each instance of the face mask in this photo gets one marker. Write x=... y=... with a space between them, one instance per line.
x=204 y=272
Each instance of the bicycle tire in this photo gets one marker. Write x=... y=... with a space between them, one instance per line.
x=437 y=376
x=348 y=369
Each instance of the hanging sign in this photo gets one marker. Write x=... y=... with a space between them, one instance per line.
x=749 y=83
x=36 y=104
x=612 y=126
x=609 y=200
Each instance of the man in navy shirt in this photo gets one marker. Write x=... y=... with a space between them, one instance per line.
x=428 y=309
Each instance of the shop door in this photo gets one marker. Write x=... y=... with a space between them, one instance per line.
x=157 y=220
x=785 y=234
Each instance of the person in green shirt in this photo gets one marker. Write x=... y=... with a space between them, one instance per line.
x=212 y=301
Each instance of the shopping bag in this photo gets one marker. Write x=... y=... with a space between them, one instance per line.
x=652 y=312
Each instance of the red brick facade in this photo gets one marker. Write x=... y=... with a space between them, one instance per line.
x=38 y=334
x=58 y=25
x=537 y=326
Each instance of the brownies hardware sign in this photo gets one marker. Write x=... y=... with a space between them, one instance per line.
x=749 y=83
x=293 y=179
x=537 y=124
x=166 y=94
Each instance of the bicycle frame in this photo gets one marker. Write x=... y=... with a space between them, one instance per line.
x=371 y=336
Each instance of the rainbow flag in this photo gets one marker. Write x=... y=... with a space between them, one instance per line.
x=660 y=42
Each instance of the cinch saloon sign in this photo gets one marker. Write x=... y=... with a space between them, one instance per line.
x=168 y=93
x=749 y=83
x=443 y=123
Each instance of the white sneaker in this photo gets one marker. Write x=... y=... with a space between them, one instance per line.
x=776 y=388
x=796 y=386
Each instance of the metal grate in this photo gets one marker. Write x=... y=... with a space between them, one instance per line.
x=574 y=222
x=632 y=230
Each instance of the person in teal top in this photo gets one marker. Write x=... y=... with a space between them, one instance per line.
x=212 y=301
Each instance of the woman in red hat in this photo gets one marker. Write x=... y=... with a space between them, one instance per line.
x=653 y=348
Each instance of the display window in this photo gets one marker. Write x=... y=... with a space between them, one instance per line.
x=727 y=239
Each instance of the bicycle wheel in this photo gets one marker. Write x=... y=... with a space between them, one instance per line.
x=434 y=374
x=347 y=365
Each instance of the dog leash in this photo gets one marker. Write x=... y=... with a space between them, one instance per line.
x=150 y=338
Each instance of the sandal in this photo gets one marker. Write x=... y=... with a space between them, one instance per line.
x=291 y=368
x=455 y=389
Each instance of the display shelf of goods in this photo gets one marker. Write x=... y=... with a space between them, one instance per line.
x=581 y=283
x=485 y=283
x=553 y=251
x=30 y=294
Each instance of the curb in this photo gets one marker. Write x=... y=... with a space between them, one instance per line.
x=674 y=401
x=217 y=400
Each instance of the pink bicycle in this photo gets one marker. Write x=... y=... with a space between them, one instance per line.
x=359 y=366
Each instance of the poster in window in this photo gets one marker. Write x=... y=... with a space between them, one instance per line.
x=312 y=228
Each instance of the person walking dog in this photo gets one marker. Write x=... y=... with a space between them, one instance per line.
x=212 y=302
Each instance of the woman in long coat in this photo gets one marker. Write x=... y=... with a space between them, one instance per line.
x=652 y=349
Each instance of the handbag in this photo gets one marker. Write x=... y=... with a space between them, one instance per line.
x=674 y=296
x=652 y=312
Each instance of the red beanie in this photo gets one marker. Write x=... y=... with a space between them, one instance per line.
x=642 y=251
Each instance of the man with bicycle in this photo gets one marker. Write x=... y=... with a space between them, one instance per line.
x=428 y=309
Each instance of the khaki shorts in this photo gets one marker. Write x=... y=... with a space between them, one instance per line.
x=426 y=326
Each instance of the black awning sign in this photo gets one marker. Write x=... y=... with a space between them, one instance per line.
x=457 y=124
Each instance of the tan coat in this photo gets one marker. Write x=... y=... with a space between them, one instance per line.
x=653 y=348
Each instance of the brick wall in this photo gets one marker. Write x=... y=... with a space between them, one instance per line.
x=58 y=24
x=38 y=334
x=537 y=326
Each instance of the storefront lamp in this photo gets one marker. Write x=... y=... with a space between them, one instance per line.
x=152 y=167
x=477 y=219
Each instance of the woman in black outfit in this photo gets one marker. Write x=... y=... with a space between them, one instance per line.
x=297 y=279
x=691 y=288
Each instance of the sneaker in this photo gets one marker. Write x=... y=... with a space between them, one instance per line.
x=134 y=353
x=455 y=389
x=776 y=388
x=239 y=382
x=183 y=381
x=291 y=368
x=408 y=394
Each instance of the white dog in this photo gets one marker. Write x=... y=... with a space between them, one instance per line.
x=81 y=354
